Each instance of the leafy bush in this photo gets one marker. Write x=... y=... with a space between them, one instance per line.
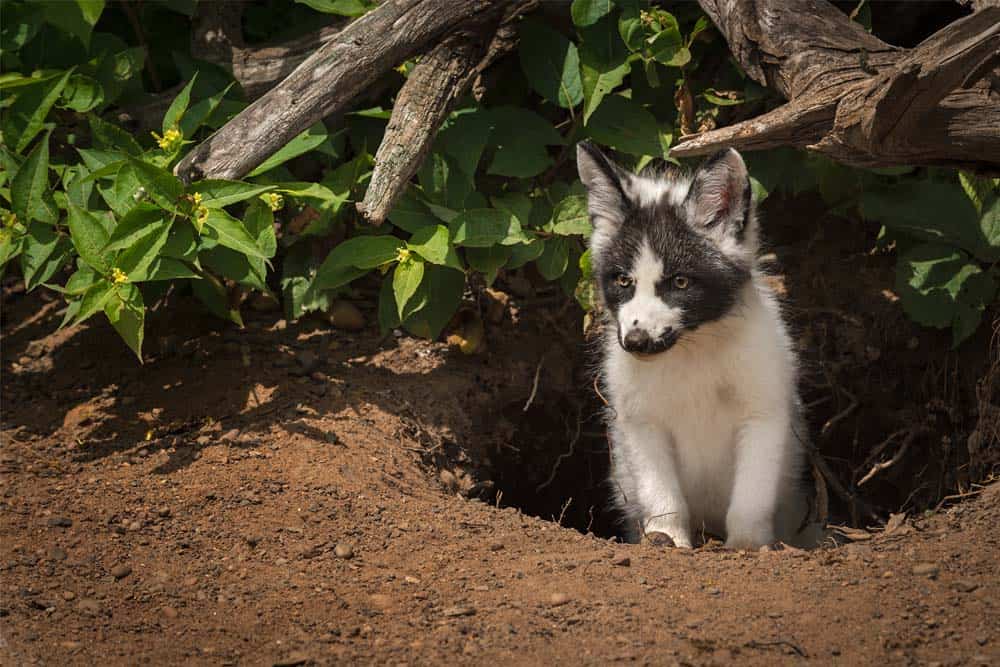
x=498 y=192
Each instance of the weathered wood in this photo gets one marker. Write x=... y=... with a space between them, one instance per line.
x=437 y=82
x=327 y=81
x=857 y=99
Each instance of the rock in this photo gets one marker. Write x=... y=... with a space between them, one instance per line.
x=163 y=512
x=121 y=571
x=60 y=522
x=292 y=659
x=345 y=315
x=55 y=553
x=134 y=526
x=449 y=480
x=230 y=436
x=558 y=599
x=929 y=570
x=69 y=596
x=252 y=540
x=343 y=550
x=964 y=585
x=621 y=561
x=89 y=606
x=660 y=539
x=308 y=361
x=496 y=546
x=454 y=612
x=169 y=612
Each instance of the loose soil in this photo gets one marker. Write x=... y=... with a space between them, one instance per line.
x=293 y=494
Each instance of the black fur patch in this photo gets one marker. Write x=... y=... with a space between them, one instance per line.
x=714 y=280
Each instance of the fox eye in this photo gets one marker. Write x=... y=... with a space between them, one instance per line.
x=624 y=280
x=681 y=282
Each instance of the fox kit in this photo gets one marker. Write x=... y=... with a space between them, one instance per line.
x=698 y=367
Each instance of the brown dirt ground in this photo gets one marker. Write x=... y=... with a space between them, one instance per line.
x=191 y=510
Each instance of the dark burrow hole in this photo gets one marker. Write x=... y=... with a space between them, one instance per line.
x=554 y=463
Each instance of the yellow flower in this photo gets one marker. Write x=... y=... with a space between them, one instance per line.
x=170 y=141
x=118 y=276
x=197 y=198
x=200 y=217
x=9 y=219
x=402 y=255
x=275 y=201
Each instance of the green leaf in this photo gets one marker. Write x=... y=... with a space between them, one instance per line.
x=603 y=63
x=81 y=94
x=136 y=261
x=464 y=138
x=81 y=280
x=235 y=266
x=523 y=253
x=339 y=7
x=111 y=137
x=355 y=257
x=520 y=137
x=172 y=119
x=406 y=278
x=667 y=46
x=517 y=204
x=182 y=242
x=979 y=190
x=200 y=112
x=219 y=193
x=135 y=225
x=25 y=117
x=624 y=125
x=76 y=17
x=410 y=213
x=554 y=258
x=259 y=221
x=570 y=216
x=43 y=252
x=305 y=142
x=551 y=63
x=431 y=243
x=168 y=268
x=89 y=237
x=92 y=302
x=31 y=196
x=930 y=210
x=444 y=183
x=231 y=233
x=161 y=186
x=127 y=314
x=441 y=292
x=483 y=227
x=488 y=261
x=941 y=286
x=989 y=225
x=713 y=96
x=588 y=12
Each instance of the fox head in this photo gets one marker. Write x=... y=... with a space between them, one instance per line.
x=671 y=252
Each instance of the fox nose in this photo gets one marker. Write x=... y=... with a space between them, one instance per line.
x=637 y=340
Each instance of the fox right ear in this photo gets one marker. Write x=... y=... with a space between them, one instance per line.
x=605 y=182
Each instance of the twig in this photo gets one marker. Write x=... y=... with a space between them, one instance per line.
x=534 y=386
x=896 y=458
x=834 y=420
x=565 y=455
x=565 y=506
x=957 y=496
x=753 y=643
x=140 y=35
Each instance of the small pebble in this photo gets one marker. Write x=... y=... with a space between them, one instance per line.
x=343 y=550
x=60 y=522
x=622 y=561
x=926 y=570
x=121 y=571
x=69 y=596
x=964 y=586
x=163 y=512
x=558 y=599
x=454 y=612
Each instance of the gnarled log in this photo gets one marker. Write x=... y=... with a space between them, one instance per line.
x=434 y=86
x=857 y=99
x=327 y=81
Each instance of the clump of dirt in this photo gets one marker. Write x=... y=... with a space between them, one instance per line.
x=293 y=494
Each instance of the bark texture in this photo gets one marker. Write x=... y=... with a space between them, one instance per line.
x=857 y=99
x=327 y=81
x=438 y=81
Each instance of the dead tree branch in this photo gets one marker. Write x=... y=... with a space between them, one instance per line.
x=327 y=81
x=857 y=99
x=438 y=81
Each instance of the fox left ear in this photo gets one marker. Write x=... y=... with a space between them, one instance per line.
x=720 y=196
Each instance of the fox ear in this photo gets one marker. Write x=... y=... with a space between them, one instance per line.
x=606 y=184
x=720 y=196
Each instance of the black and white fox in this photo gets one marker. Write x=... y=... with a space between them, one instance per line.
x=698 y=367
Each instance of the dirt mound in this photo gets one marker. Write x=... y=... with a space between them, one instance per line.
x=290 y=494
